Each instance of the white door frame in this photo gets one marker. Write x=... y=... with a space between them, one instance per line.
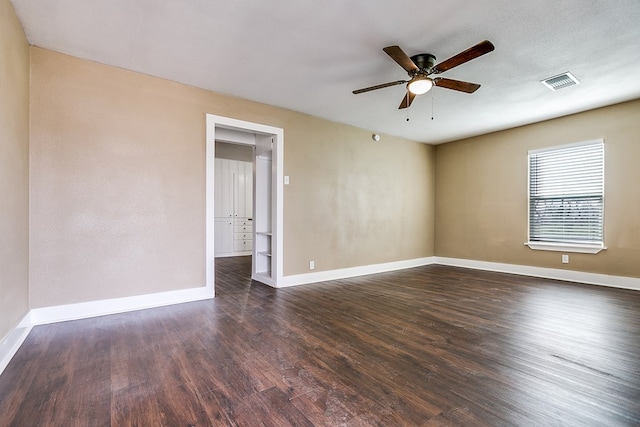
x=221 y=122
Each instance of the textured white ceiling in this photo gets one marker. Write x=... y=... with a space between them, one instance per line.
x=309 y=55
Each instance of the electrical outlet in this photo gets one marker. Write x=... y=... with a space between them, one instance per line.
x=565 y=259
x=312 y=265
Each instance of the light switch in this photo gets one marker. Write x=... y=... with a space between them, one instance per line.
x=286 y=180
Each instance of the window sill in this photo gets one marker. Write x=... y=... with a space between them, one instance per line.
x=565 y=247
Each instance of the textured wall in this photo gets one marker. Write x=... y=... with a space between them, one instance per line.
x=352 y=201
x=481 y=192
x=118 y=195
x=14 y=170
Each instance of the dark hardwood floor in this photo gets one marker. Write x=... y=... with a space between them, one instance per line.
x=429 y=346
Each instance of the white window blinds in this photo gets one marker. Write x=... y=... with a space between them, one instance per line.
x=566 y=194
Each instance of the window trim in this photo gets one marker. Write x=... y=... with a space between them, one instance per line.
x=565 y=247
x=585 y=248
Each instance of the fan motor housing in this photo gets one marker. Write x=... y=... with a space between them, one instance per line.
x=424 y=61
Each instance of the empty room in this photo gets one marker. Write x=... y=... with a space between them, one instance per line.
x=295 y=213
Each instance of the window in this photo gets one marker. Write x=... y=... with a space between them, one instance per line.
x=566 y=198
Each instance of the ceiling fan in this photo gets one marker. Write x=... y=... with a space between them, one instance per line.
x=421 y=66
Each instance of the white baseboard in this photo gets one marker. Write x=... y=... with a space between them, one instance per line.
x=232 y=254
x=547 y=273
x=83 y=310
x=344 y=273
x=524 y=270
x=12 y=342
x=40 y=316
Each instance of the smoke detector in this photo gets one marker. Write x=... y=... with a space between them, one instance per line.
x=560 y=81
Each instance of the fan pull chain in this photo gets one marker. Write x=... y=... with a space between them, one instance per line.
x=431 y=105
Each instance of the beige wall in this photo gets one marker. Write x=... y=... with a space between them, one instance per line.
x=118 y=195
x=117 y=185
x=481 y=192
x=14 y=170
x=352 y=201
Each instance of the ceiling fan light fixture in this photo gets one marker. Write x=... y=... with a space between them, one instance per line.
x=420 y=85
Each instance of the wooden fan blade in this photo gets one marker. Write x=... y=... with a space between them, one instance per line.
x=367 y=89
x=456 y=85
x=407 y=100
x=401 y=58
x=465 y=56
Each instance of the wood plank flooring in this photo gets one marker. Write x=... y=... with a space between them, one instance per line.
x=429 y=346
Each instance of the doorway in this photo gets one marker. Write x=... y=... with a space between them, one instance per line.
x=267 y=152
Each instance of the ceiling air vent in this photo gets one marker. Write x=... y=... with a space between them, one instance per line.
x=560 y=81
